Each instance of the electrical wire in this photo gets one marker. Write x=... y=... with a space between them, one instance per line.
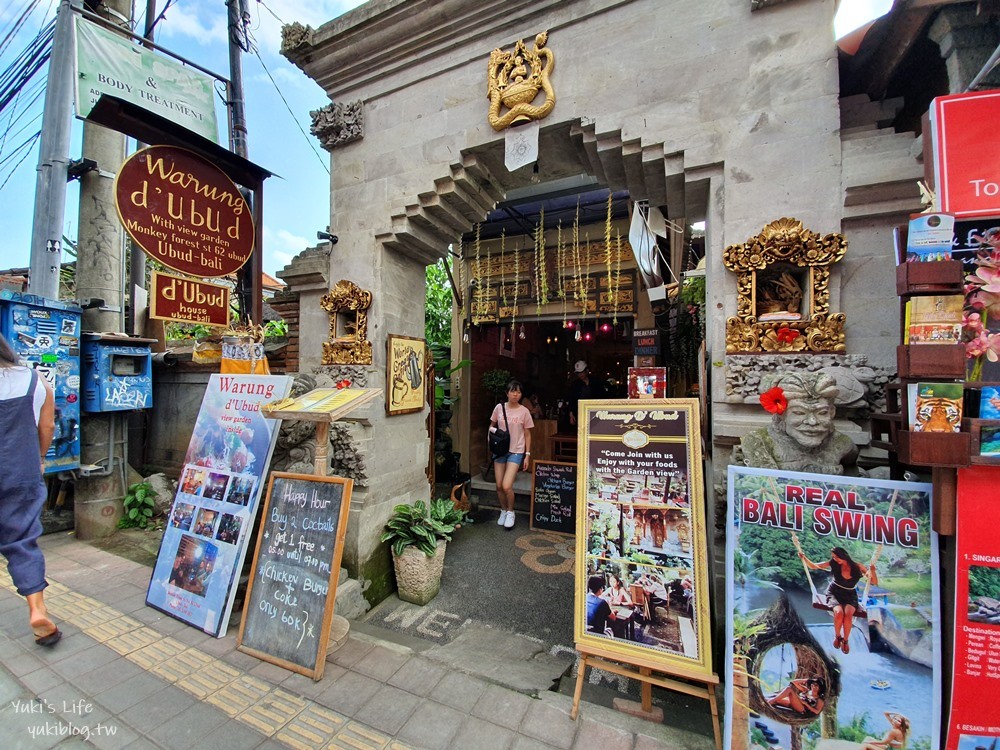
x=29 y=143
x=297 y=124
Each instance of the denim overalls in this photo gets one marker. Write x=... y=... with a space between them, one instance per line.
x=22 y=492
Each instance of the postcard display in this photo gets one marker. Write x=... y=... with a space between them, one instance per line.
x=205 y=540
x=641 y=519
x=791 y=678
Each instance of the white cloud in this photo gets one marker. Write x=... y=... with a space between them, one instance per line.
x=853 y=14
x=280 y=246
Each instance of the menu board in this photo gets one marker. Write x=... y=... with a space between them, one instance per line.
x=553 y=496
x=290 y=597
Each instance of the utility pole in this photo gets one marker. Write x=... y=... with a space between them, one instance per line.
x=100 y=271
x=249 y=277
x=53 y=161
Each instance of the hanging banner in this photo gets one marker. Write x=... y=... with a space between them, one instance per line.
x=203 y=546
x=641 y=563
x=184 y=212
x=183 y=300
x=109 y=63
x=975 y=721
x=832 y=601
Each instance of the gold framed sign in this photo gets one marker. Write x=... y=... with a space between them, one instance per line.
x=405 y=390
x=641 y=563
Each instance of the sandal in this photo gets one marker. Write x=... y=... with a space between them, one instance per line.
x=49 y=640
x=846 y=647
x=837 y=641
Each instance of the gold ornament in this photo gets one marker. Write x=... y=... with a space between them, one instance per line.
x=515 y=78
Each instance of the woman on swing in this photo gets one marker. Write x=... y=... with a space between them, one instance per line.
x=842 y=593
x=895 y=738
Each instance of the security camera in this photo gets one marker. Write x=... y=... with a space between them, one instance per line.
x=331 y=238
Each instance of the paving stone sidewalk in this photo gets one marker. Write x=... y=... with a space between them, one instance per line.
x=127 y=676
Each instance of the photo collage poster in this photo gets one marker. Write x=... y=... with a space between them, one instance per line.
x=974 y=721
x=833 y=626
x=205 y=539
x=641 y=532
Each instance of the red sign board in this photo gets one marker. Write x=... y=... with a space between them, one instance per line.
x=185 y=300
x=967 y=153
x=184 y=211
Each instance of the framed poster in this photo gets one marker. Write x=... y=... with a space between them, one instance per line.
x=641 y=564
x=833 y=629
x=647 y=382
x=293 y=581
x=205 y=540
x=405 y=358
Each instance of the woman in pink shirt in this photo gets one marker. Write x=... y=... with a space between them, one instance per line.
x=518 y=422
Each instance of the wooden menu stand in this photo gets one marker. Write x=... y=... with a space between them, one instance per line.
x=324 y=406
x=644 y=672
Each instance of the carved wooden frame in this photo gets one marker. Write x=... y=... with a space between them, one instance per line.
x=346 y=298
x=785 y=243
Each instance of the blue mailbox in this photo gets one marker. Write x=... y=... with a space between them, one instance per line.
x=117 y=373
x=45 y=333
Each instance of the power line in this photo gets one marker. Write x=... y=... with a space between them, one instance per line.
x=285 y=101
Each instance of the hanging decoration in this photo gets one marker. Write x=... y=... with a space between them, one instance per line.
x=517 y=285
x=540 y=256
x=477 y=280
x=503 y=267
x=560 y=264
x=607 y=243
x=618 y=276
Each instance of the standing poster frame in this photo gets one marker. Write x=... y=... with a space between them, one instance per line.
x=640 y=494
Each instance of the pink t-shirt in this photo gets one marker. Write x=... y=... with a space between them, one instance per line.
x=519 y=419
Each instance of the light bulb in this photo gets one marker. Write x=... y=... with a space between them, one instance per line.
x=465 y=337
x=579 y=334
x=587 y=336
x=520 y=334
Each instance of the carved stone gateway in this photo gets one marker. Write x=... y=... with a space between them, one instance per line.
x=348 y=343
x=338 y=123
x=783 y=291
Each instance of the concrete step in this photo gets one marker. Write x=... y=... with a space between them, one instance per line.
x=877 y=143
x=350 y=603
x=861 y=110
x=863 y=131
x=860 y=172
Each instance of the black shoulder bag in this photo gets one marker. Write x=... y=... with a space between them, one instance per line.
x=500 y=439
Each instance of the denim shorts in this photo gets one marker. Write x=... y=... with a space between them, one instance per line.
x=512 y=458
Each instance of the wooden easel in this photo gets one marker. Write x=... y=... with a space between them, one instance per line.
x=313 y=407
x=644 y=672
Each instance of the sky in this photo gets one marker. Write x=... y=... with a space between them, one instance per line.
x=296 y=203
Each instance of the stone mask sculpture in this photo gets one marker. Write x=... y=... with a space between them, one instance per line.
x=801 y=436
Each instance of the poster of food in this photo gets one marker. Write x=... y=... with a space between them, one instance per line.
x=833 y=620
x=205 y=539
x=975 y=721
x=642 y=571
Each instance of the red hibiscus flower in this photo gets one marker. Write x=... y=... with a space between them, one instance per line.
x=774 y=401
x=787 y=335
x=343 y=384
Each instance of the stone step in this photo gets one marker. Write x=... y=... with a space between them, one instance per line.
x=350 y=603
x=863 y=131
x=861 y=110
x=859 y=172
x=876 y=144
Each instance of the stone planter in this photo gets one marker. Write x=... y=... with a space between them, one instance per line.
x=418 y=576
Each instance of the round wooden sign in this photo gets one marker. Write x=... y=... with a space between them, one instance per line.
x=184 y=211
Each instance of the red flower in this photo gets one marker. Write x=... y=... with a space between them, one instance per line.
x=774 y=401
x=787 y=335
x=343 y=384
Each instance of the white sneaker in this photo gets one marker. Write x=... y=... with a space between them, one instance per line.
x=502 y=519
x=509 y=523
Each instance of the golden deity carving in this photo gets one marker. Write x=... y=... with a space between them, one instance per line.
x=783 y=291
x=515 y=78
x=348 y=345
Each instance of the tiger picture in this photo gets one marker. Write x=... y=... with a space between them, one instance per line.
x=938 y=408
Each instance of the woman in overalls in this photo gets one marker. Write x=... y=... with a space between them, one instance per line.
x=27 y=423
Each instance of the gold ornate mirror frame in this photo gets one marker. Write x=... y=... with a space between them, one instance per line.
x=352 y=348
x=783 y=291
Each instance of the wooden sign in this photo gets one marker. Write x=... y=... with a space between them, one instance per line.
x=184 y=211
x=185 y=300
x=290 y=597
x=553 y=496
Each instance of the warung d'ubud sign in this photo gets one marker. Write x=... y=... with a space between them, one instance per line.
x=184 y=212
x=184 y=300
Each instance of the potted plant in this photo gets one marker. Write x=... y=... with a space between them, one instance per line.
x=419 y=535
x=495 y=383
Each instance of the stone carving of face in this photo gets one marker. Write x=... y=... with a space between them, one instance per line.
x=809 y=422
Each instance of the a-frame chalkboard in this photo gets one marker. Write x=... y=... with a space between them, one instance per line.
x=290 y=597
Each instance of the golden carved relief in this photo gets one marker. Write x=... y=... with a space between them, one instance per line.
x=515 y=78
x=348 y=303
x=783 y=291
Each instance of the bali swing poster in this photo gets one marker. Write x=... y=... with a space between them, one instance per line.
x=833 y=618
x=205 y=541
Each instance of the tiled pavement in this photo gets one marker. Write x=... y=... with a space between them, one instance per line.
x=126 y=676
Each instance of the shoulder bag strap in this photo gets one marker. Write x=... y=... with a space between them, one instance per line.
x=503 y=408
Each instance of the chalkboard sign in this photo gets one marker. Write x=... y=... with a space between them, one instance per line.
x=553 y=496
x=290 y=597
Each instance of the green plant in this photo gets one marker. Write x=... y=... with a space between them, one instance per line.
x=275 y=329
x=138 y=506
x=438 y=304
x=421 y=526
x=495 y=382
x=443 y=371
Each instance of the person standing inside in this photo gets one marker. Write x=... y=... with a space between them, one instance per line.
x=585 y=385
x=516 y=420
x=27 y=424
